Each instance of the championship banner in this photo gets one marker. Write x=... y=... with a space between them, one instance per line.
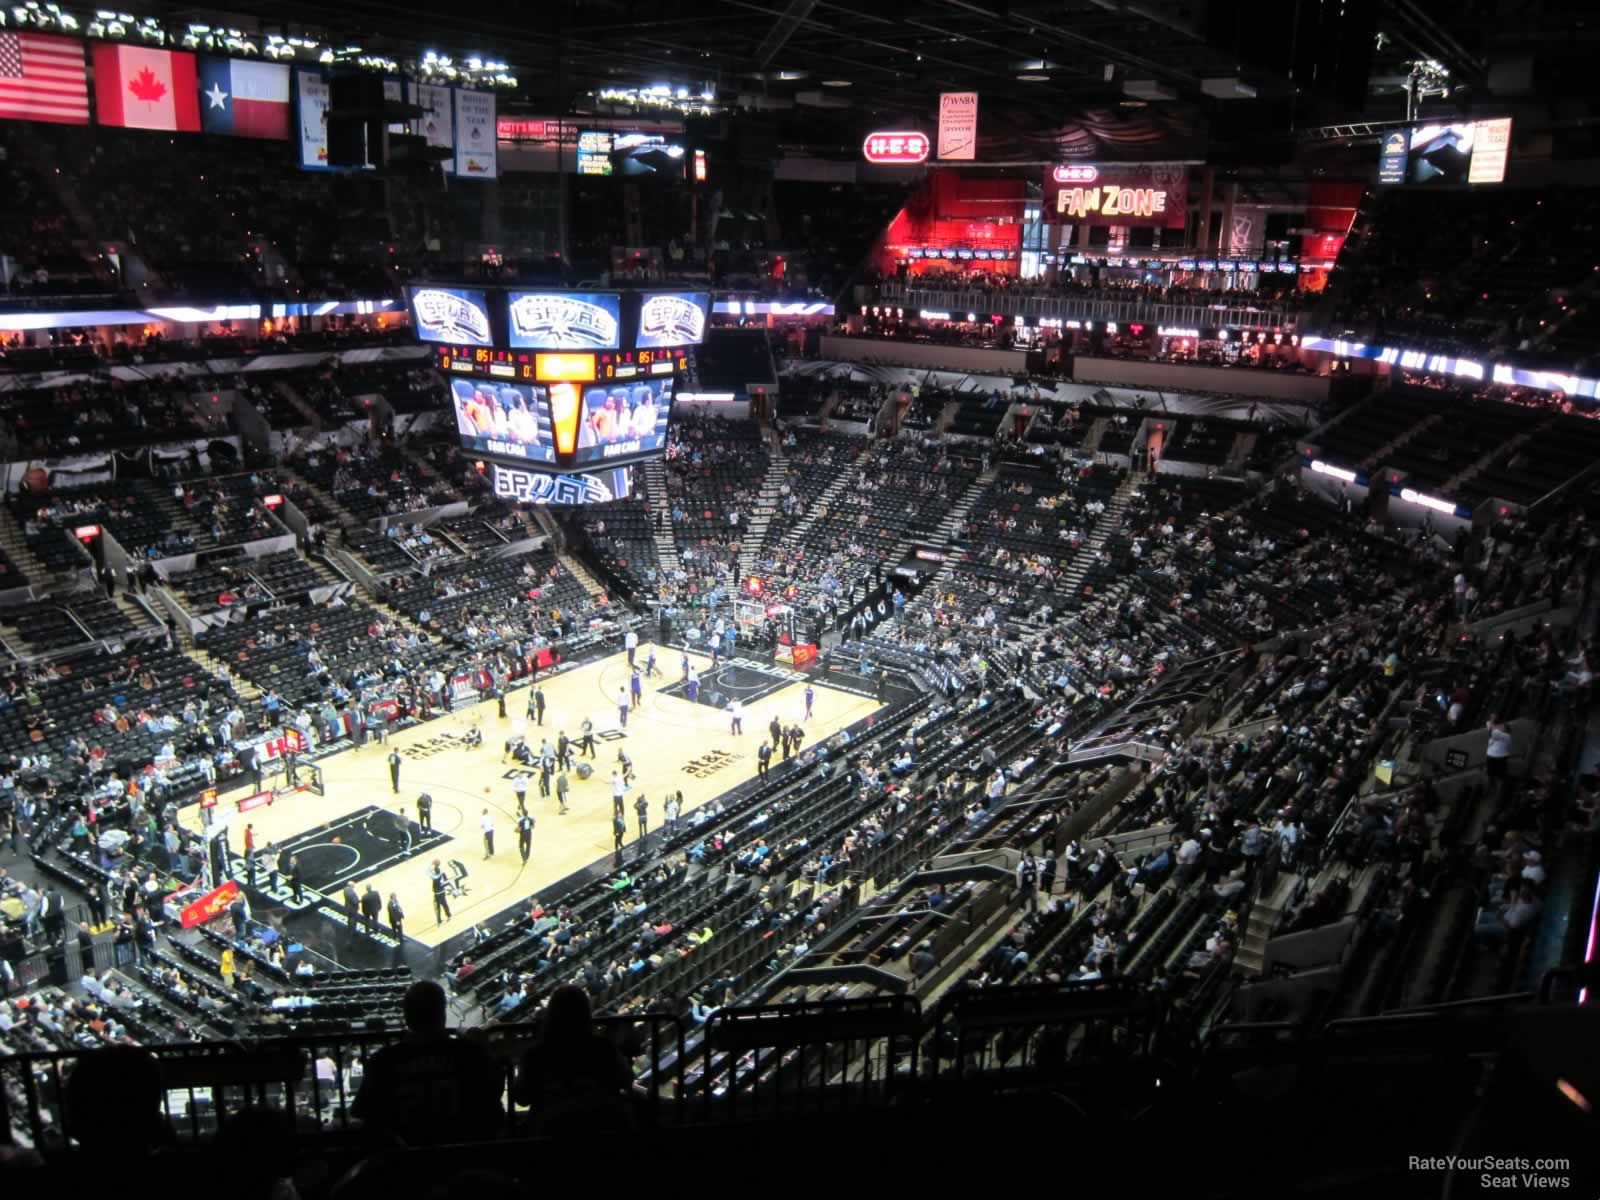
x=311 y=112
x=475 y=135
x=1155 y=194
x=209 y=905
x=958 y=125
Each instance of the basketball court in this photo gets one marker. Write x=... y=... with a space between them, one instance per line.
x=362 y=831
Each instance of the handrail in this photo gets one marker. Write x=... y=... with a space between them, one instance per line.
x=1140 y=751
x=1561 y=487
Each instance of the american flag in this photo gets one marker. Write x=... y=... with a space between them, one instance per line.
x=43 y=78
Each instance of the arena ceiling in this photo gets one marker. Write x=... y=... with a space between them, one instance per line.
x=1248 y=73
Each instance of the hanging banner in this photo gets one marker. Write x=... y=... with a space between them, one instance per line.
x=437 y=127
x=475 y=135
x=958 y=125
x=1154 y=194
x=311 y=111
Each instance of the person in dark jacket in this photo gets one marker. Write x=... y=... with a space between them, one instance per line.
x=573 y=1079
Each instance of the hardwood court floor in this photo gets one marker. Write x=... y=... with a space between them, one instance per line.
x=675 y=744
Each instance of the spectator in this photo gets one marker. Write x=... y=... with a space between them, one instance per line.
x=573 y=1078
x=433 y=1088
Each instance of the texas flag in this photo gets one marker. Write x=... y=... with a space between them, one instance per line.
x=246 y=99
x=140 y=88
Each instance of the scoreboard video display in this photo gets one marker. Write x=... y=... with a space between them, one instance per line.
x=565 y=366
x=565 y=381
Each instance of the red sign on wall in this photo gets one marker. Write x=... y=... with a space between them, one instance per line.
x=896 y=147
x=209 y=905
x=259 y=800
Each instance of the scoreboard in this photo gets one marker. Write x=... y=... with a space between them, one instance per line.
x=533 y=366
x=484 y=362
x=554 y=383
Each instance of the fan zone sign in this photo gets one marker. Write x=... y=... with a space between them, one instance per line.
x=1111 y=201
x=1083 y=194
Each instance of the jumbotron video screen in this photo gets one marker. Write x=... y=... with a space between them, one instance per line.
x=566 y=381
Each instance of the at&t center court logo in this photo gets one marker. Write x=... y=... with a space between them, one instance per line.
x=562 y=323
x=447 y=317
x=671 y=321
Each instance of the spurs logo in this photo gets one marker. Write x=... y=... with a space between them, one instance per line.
x=671 y=321
x=534 y=487
x=447 y=317
x=562 y=322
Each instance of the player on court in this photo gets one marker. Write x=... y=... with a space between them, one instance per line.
x=622 y=706
x=811 y=696
x=650 y=668
x=636 y=686
x=519 y=785
x=736 y=717
x=631 y=641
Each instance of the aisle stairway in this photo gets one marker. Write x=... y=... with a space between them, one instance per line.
x=845 y=477
x=766 y=509
x=1239 y=453
x=581 y=573
x=1259 y=928
x=346 y=517
x=1072 y=579
x=655 y=476
x=17 y=550
x=297 y=402
x=948 y=531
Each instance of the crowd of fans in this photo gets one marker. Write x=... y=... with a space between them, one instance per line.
x=1266 y=649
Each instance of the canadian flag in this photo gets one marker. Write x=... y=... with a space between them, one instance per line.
x=140 y=88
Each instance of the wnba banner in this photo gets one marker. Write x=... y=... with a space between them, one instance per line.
x=1155 y=194
x=958 y=125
